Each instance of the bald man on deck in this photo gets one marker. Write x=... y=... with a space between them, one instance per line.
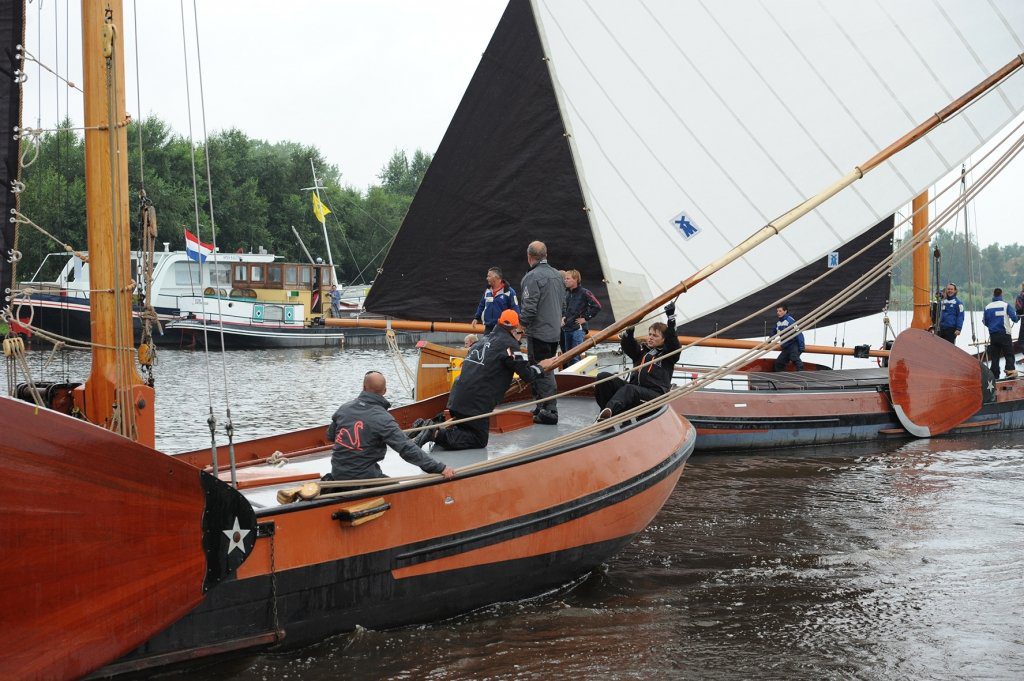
x=363 y=429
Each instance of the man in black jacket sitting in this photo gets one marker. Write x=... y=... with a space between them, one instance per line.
x=616 y=395
x=486 y=375
x=362 y=430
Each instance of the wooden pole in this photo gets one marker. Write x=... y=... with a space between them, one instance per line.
x=458 y=327
x=114 y=395
x=922 y=253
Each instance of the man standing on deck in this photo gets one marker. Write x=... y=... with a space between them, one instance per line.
x=791 y=348
x=951 y=315
x=498 y=297
x=999 y=318
x=362 y=430
x=487 y=373
x=335 y=301
x=541 y=316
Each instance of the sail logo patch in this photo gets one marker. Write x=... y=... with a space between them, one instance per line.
x=349 y=440
x=833 y=259
x=685 y=225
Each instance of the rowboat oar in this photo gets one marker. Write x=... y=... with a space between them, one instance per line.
x=934 y=387
x=458 y=327
x=105 y=543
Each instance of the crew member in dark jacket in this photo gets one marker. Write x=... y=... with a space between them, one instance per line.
x=792 y=348
x=541 y=315
x=362 y=430
x=580 y=307
x=647 y=382
x=486 y=374
x=498 y=297
x=1000 y=318
x=951 y=315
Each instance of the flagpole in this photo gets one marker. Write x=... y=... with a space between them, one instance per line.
x=323 y=224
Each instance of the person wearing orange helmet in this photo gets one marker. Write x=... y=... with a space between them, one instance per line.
x=487 y=373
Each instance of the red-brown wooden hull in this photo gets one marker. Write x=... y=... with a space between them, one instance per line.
x=103 y=542
x=441 y=547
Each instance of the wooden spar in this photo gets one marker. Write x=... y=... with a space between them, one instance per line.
x=458 y=327
x=114 y=396
x=922 y=298
x=776 y=226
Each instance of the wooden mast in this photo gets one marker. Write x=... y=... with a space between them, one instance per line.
x=114 y=396
x=922 y=297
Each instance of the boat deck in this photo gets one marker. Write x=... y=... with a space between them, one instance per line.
x=818 y=380
x=260 y=483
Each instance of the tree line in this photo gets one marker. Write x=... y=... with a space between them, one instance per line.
x=976 y=271
x=257 y=197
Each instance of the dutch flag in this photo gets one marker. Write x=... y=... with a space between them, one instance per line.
x=196 y=249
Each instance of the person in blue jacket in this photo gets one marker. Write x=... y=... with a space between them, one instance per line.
x=999 y=318
x=498 y=297
x=791 y=348
x=951 y=315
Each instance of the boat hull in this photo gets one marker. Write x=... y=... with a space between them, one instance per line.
x=68 y=316
x=105 y=543
x=509 y=532
x=251 y=337
x=744 y=420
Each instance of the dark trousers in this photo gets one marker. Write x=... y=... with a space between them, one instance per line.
x=469 y=435
x=948 y=333
x=787 y=355
x=545 y=385
x=620 y=396
x=1000 y=344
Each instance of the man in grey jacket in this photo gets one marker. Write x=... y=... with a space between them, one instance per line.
x=362 y=430
x=542 y=293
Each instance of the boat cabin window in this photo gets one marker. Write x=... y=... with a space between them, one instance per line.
x=291 y=276
x=306 y=276
x=273 y=313
x=241 y=274
x=256 y=273
x=220 y=275
x=274 y=275
x=187 y=274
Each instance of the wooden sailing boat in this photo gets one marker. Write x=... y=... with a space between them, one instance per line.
x=622 y=136
x=89 y=507
x=106 y=541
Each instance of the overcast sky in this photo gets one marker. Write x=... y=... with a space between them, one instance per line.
x=357 y=78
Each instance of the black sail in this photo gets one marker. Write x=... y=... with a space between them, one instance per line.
x=503 y=176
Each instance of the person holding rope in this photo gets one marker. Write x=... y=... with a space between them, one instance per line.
x=792 y=348
x=486 y=375
x=363 y=429
x=652 y=374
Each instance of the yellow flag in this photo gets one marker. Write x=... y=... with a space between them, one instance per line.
x=319 y=209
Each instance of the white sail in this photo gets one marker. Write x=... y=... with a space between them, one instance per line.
x=695 y=123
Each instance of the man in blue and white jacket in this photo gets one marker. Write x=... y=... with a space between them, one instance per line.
x=791 y=348
x=498 y=297
x=951 y=315
x=999 y=318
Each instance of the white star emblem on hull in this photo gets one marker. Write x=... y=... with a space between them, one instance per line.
x=236 y=534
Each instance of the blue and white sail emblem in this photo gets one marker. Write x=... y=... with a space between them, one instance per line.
x=685 y=225
x=833 y=259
